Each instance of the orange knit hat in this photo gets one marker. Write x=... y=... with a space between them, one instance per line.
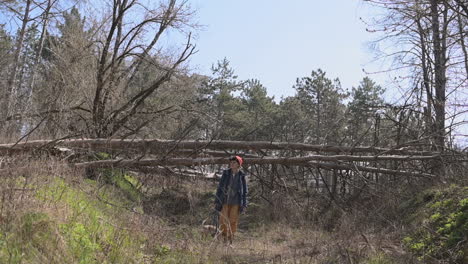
x=238 y=159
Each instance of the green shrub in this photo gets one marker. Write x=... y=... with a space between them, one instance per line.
x=81 y=242
x=128 y=185
x=443 y=229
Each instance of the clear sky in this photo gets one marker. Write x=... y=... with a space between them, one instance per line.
x=278 y=41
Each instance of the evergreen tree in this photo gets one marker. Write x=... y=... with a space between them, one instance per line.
x=292 y=123
x=6 y=57
x=322 y=99
x=366 y=100
x=218 y=101
x=260 y=110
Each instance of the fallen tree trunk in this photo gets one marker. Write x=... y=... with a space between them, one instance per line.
x=206 y=153
x=161 y=147
x=353 y=167
x=303 y=161
x=222 y=160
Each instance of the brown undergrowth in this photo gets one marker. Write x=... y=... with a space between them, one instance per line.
x=52 y=213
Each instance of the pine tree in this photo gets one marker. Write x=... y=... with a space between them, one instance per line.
x=322 y=99
x=366 y=100
x=219 y=102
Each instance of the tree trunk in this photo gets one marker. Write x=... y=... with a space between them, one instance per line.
x=161 y=147
x=439 y=49
x=145 y=163
x=426 y=80
x=10 y=100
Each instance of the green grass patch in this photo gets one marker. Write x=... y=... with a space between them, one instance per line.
x=379 y=259
x=90 y=231
x=31 y=239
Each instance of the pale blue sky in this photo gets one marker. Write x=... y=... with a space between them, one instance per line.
x=278 y=41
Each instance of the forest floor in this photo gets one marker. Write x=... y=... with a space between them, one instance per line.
x=53 y=214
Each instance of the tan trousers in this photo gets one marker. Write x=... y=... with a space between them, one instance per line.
x=228 y=219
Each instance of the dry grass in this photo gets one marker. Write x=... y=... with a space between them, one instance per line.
x=71 y=208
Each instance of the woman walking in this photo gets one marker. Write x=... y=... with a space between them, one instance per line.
x=231 y=198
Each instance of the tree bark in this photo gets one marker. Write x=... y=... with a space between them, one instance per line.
x=426 y=79
x=439 y=50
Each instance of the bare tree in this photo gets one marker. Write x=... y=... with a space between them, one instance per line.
x=430 y=45
x=101 y=80
x=115 y=101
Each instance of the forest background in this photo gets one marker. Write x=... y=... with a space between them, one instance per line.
x=122 y=70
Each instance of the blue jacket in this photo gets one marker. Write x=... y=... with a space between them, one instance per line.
x=221 y=192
